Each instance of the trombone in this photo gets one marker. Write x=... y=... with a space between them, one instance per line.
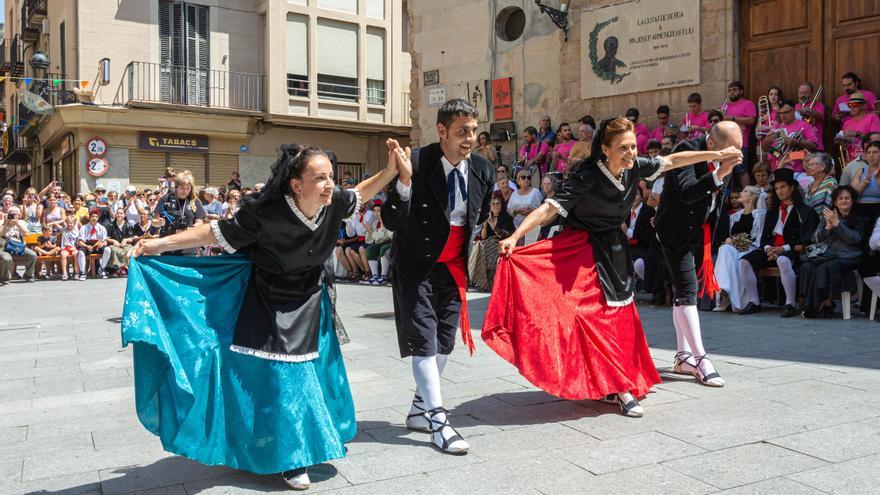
x=810 y=119
x=764 y=125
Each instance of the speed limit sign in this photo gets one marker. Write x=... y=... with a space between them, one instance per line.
x=97 y=166
x=96 y=146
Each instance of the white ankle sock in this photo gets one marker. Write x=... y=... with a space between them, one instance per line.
x=374 y=267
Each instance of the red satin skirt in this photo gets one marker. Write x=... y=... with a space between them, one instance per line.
x=548 y=317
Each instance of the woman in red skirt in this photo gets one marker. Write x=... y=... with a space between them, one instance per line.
x=562 y=309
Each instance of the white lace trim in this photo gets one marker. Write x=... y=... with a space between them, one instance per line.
x=625 y=302
x=614 y=180
x=274 y=356
x=658 y=172
x=559 y=209
x=357 y=202
x=215 y=228
x=311 y=224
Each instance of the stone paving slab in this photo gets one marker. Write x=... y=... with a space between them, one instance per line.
x=798 y=415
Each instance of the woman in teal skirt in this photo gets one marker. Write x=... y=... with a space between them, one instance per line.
x=236 y=358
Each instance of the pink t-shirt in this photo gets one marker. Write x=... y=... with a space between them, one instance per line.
x=807 y=132
x=563 y=149
x=534 y=150
x=843 y=100
x=742 y=108
x=697 y=120
x=642 y=138
x=868 y=123
x=819 y=123
x=656 y=134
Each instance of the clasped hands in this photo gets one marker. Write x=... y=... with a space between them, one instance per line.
x=399 y=160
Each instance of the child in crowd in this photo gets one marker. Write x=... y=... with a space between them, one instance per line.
x=69 y=240
x=47 y=246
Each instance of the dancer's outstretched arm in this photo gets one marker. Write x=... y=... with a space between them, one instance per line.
x=199 y=235
x=729 y=158
x=536 y=218
x=371 y=186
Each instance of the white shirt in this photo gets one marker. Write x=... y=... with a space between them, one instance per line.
x=85 y=232
x=633 y=216
x=778 y=228
x=458 y=216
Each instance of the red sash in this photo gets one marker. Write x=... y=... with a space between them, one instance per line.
x=706 y=275
x=453 y=257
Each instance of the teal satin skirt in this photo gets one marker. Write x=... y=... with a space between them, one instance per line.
x=216 y=406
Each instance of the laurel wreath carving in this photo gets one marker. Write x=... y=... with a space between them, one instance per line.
x=594 y=54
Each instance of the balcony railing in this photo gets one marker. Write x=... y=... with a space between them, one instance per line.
x=148 y=82
x=14 y=57
x=33 y=12
x=337 y=89
x=16 y=148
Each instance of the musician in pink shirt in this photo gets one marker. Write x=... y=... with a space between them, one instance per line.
x=851 y=84
x=861 y=123
x=641 y=131
x=802 y=109
x=800 y=136
x=696 y=121
x=743 y=112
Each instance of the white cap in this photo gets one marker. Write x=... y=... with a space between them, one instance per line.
x=131 y=189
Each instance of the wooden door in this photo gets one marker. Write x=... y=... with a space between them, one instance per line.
x=852 y=44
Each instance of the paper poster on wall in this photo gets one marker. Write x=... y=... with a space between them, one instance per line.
x=437 y=96
x=502 y=99
x=642 y=45
x=476 y=94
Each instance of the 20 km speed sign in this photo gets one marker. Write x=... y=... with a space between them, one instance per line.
x=96 y=147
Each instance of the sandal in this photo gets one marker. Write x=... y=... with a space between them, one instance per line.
x=630 y=409
x=446 y=444
x=419 y=420
x=681 y=360
x=712 y=379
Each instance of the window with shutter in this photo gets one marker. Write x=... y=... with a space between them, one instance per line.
x=297 y=55
x=183 y=51
x=337 y=52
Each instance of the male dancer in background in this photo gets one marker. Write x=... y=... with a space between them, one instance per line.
x=690 y=194
x=442 y=192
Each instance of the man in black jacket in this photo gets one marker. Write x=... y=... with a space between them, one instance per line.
x=788 y=227
x=690 y=195
x=442 y=192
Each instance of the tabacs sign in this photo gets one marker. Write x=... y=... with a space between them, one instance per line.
x=175 y=143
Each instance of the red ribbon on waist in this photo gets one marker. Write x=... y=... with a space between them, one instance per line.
x=706 y=275
x=453 y=257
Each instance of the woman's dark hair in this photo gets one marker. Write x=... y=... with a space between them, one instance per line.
x=633 y=112
x=589 y=120
x=654 y=145
x=531 y=130
x=663 y=109
x=852 y=194
x=797 y=197
x=872 y=144
x=608 y=130
x=292 y=162
x=781 y=94
x=715 y=113
x=488 y=137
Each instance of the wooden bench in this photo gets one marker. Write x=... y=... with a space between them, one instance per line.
x=31 y=242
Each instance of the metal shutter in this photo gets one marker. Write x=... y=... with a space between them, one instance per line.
x=145 y=168
x=220 y=168
x=189 y=161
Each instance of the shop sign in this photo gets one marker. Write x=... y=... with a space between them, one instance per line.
x=97 y=166
x=95 y=146
x=175 y=143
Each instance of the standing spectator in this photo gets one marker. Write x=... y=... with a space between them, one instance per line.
x=47 y=246
x=524 y=200
x=32 y=210
x=232 y=203
x=545 y=132
x=378 y=248
x=851 y=85
x=152 y=203
x=179 y=210
x=533 y=154
x=234 y=183
x=817 y=114
x=120 y=240
x=867 y=183
x=53 y=214
x=823 y=276
x=818 y=194
x=562 y=149
x=70 y=247
x=166 y=182
x=213 y=208
x=799 y=135
x=859 y=124
x=483 y=258
x=114 y=202
x=663 y=124
x=641 y=131
x=93 y=240
x=502 y=173
x=7 y=204
x=79 y=208
x=743 y=112
x=774 y=98
x=13 y=232
x=548 y=190
x=485 y=148
x=134 y=205
x=788 y=229
x=582 y=149
x=696 y=121
x=761 y=173
x=53 y=187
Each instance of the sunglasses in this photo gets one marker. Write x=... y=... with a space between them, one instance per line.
x=527 y=177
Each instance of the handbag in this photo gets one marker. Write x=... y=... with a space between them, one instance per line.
x=816 y=252
x=14 y=247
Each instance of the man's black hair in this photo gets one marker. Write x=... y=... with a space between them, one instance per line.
x=454 y=108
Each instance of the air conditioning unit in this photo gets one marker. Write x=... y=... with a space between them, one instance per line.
x=46 y=26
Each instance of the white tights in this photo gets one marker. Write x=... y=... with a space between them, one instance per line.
x=786 y=274
x=639 y=268
x=427 y=371
x=688 y=334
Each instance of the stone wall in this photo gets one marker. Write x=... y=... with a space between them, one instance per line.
x=458 y=38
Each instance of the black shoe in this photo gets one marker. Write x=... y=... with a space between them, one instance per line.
x=751 y=308
x=789 y=312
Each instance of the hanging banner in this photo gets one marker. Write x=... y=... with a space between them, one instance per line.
x=34 y=102
x=638 y=46
x=502 y=99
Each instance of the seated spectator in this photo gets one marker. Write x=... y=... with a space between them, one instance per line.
x=120 y=240
x=559 y=155
x=503 y=191
x=818 y=194
x=47 y=245
x=259 y=186
x=840 y=233
x=133 y=205
x=93 y=240
x=746 y=224
x=79 y=209
x=213 y=208
x=548 y=189
x=860 y=163
x=788 y=228
x=13 y=231
x=70 y=248
x=32 y=210
x=761 y=173
x=503 y=173
x=356 y=228
x=484 y=252
x=144 y=228
x=867 y=184
x=53 y=214
x=378 y=248
x=231 y=206
x=485 y=148
x=582 y=149
x=7 y=204
x=640 y=230
x=525 y=199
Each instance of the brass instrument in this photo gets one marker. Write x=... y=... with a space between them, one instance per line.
x=844 y=154
x=780 y=148
x=764 y=125
x=810 y=119
x=724 y=106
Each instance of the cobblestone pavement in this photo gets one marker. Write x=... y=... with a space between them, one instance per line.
x=798 y=415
